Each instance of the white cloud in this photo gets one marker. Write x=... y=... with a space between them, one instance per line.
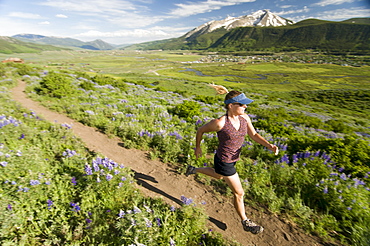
x=24 y=15
x=44 y=23
x=194 y=8
x=288 y=12
x=323 y=3
x=343 y=14
x=137 y=33
x=92 y=6
x=286 y=6
x=117 y=12
x=133 y=36
x=132 y=19
x=336 y=15
x=61 y=16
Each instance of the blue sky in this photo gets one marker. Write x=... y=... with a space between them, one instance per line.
x=126 y=21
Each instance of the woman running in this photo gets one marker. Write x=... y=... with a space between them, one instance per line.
x=231 y=130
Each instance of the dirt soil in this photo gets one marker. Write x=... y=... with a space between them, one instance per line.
x=158 y=179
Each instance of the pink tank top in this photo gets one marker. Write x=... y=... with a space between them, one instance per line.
x=231 y=140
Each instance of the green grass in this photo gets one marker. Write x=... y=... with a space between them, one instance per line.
x=54 y=191
x=311 y=192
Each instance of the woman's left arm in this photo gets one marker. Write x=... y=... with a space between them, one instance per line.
x=258 y=138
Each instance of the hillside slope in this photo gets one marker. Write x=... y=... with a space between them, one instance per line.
x=157 y=179
x=308 y=34
x=64 y=42
x=11 y=45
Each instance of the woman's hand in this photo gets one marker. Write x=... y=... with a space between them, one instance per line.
x=198 y=152
x=274 y=149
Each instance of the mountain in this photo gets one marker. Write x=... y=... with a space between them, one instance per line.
x=67 y=42
x=97 y=45
x=358 y=21
x=264 y=31
x=261 y=18
x=10 y=45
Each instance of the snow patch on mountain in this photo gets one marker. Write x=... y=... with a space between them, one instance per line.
x=259 y=18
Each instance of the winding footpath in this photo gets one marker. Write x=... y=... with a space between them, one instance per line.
x=156 y=179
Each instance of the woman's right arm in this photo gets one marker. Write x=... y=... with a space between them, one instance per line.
x=213 y=126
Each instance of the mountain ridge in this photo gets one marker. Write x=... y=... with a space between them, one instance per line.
x=260 y=18
x=331 y=37
x=97 y=44
x=9 y=45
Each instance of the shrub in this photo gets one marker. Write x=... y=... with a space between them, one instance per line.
x=56 y=85
x=187 y=110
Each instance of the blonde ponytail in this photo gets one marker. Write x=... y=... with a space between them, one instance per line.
x=219 y=89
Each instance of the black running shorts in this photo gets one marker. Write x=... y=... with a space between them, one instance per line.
x=223 y=168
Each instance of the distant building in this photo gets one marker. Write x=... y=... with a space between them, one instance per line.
x=13 y=59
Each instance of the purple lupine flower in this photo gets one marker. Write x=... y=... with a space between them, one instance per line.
x=9 y=207
x=3 y=163
x=306 y=154
x=89 y=112
x=69 y=153
x=34 y=182
x=88 y=169
x=198 y=122
x=74 y=182
x=66 y=125
x=50 y=203
x=172 y=208
x=148 y=223
x=108 y=177
x=121 y=213
x=176 y=134
x=186 y=201
x=136 y=210
x=158 y=220
x=358 y=182
x=295 y=158
x=325 y=190
x=22 y=136
x=133 y=222
x=75 y=207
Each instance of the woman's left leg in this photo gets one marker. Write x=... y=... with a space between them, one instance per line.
x=237 y=189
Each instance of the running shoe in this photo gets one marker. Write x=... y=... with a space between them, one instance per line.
x=252 y=227
x=190 y=170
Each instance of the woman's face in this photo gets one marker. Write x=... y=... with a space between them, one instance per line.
x=237 y=108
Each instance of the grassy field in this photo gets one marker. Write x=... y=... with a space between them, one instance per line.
x=281 y=76
x=318 y=114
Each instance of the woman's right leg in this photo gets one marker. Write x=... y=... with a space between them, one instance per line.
x=209 y=171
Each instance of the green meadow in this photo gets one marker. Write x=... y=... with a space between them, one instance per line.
x=317 y=113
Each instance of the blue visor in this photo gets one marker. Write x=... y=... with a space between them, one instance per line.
x=239 y=99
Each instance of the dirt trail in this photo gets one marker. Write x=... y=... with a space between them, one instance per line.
x=157 y=179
